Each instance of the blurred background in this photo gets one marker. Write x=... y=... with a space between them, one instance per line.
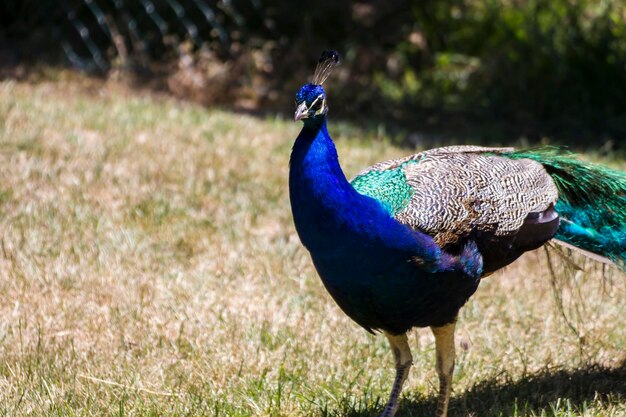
x=490 y=71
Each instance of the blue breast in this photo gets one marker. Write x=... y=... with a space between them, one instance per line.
x=365 y=257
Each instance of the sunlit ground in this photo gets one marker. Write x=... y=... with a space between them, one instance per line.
x=149 y=266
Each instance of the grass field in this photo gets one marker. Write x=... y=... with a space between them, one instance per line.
x=149 y=267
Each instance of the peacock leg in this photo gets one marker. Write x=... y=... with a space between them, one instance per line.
x=404 y=360
x=444 y=344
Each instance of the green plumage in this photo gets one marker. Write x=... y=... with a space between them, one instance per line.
x=389 y=187
x=592 y=202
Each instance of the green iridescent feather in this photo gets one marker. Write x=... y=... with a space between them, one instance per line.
x=592 y=202
x=389 y=187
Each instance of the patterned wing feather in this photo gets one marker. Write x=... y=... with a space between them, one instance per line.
x=449 y=192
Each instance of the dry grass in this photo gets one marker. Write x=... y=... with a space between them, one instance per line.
x=149 y=266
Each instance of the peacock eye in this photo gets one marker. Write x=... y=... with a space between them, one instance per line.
x=317 y=103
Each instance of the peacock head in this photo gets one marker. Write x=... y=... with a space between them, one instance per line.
x=310 y=102
x=311 y=99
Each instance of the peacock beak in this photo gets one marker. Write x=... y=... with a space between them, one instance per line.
x=302 y=112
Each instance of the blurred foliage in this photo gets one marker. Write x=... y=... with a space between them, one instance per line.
x=543 y=66
x=497 y=68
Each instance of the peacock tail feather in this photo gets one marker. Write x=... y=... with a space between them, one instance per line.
x=592 y=202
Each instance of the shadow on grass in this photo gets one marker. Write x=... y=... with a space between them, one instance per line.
x=572 y=390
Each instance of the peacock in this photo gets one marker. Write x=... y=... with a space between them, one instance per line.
x=406 y=242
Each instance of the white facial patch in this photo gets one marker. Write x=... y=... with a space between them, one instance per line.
x=322 y=107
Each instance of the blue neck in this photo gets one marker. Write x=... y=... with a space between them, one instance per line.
x=315 y=156
x=315 y=165
x=318 y=187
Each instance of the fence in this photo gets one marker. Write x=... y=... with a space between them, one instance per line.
x=94 y=34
